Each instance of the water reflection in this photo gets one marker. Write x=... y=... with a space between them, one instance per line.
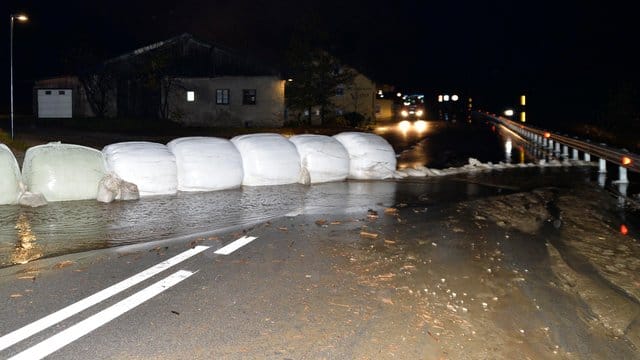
x=507 y=150
x=26 y=249
x=66 y=227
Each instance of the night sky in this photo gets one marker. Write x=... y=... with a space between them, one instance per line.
x=573 y=59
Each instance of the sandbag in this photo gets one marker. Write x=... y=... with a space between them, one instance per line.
x=371 y=157
x=10 y=177
x=112 y=188
x=268 y=159
x=206 y=163
x=63 y=172
x=148 y=165
x=324 y=158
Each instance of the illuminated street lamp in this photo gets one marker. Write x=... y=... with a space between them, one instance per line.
x=508 y=112
x=21 y=18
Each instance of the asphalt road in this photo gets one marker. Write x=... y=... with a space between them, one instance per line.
x=467 y=267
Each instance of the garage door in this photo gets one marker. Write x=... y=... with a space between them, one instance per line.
x=54 y=103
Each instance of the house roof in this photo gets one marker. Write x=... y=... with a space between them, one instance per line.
x=194 y=57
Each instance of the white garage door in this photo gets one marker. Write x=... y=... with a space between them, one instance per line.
x=54 y=103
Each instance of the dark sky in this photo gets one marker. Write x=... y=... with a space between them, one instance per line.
x=563 y=54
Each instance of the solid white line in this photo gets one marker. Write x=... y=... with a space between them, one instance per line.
x=231 y=247
x=35 y=327
x=89 y=324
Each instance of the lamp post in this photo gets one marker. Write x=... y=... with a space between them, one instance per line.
x=21 y=18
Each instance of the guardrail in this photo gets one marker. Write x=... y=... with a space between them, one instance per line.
x=624 y=159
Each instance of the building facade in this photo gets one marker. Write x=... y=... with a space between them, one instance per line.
x=228 y=101
x=176 y=79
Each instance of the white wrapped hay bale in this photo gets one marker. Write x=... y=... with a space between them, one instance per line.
x=206 y=163
x=268 y=159
x=324 y=158
x=63 y=172
x=150 y=166
x=10 y=177
x=370 y=155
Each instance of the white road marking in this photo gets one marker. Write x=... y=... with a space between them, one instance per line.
x=231 y=247
x=35 y=327
x=89 y=324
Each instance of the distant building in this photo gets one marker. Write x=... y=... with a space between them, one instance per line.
x=356 y=97
x=181 y=79
x=62 y=97
x=228 y=101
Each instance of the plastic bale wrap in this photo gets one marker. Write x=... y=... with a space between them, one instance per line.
x=112 y=188
x=268 y=159
x=150 y=166
x=324 y=158
x=371 y=157
x=63 y=172
x=206 y=163
x=10 y=177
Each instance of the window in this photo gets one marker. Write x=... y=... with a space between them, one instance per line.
x=47 y=92
x=60 y=92
x=222 y=96
x=340 y=90
x=249 y=97
x=191 y=96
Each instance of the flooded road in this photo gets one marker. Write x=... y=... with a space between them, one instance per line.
x=59 y=228
x=520 y=263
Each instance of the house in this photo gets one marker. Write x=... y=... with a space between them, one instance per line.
x=228 y=101
x=182 y=79
x=62 y=97
x=356 y=96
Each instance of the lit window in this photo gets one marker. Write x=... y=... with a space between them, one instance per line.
x=222 y=96
x=249 y=97
x=191 y=96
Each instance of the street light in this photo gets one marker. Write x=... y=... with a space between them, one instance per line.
x=21 y=18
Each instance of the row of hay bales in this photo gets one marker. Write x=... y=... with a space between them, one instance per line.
x=63 y=172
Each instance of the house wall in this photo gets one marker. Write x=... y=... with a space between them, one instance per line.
x=384 y=109
x=268 y=110
x=358 y=97
x=80 y=104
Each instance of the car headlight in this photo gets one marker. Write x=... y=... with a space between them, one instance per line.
x=404 y=113
x=419 y=112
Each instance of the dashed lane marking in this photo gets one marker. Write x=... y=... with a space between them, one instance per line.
x=231 y=247
x=35 y=327
x=91 y=323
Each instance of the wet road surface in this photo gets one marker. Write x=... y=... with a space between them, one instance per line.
x=528 y=263
x=518 y=264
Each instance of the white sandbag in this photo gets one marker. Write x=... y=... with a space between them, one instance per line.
x=268 y=159
x=150 y=166
x=10 y=177
x=206 y=163
x=370 y=155
x=63 y=172
x=322 y=157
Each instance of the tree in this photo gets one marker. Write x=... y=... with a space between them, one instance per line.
x=316 y=75
x=97 y=79
x=99 y=89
